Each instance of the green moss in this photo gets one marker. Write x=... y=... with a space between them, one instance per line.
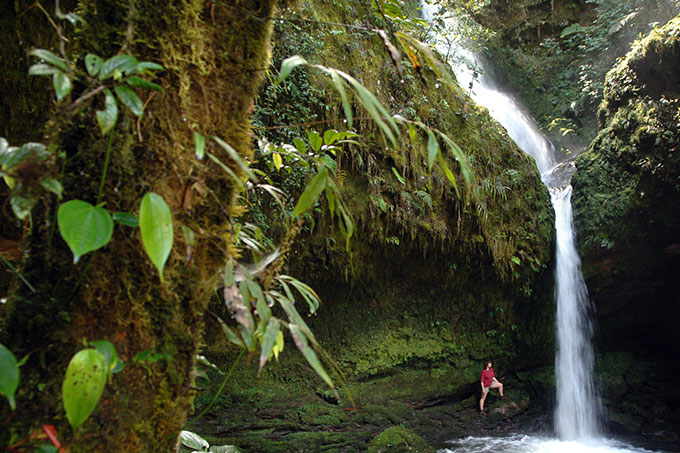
x=398 y=439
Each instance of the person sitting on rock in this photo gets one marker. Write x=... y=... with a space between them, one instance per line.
x=489 y=381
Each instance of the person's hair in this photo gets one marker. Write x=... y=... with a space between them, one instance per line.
x=486 y=362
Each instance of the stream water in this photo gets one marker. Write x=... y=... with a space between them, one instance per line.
x=578 y=414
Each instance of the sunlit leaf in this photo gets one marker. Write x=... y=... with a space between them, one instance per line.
x=62 y=84
x=269 y=340
x=50 y=58
x=84 y=227
x=107 y=118
x=129 y=99
x=311 y=192
x=199 y=144
x=155 y=224
x=315 y=140
x=193 y=440
x=288 y=65
x=9 y=375
x=278 y=161
x=83 y=385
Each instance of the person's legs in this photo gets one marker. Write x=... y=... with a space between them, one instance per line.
x=497 y=385
x=481 y=401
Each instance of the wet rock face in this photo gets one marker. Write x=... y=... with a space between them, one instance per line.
x=626 y=203
x=627 y=199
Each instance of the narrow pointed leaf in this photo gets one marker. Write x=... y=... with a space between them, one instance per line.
x=107 y=118
x=432 y=149
x=127 y=219
x=447 y=172
x=129 y=99
x=50 y=58
x=236 y=158
x=269 y=340
x=155 y=224
x=311 y=192
x=42 y=69
x=83 y=385
x=230 y=334
x=84 y=227
x=138 y=82
x=309 y=354
x=199 y=144
x=288 y=65
x=340 y=86
x=9 y=375
x=228 y=170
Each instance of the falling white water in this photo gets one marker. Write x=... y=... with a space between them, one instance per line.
x=578 y=408
x=577 y=411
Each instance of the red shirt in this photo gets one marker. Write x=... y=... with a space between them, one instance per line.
x=487 y=377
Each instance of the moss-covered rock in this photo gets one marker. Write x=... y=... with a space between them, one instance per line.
x=627 y=198
x=398 y=439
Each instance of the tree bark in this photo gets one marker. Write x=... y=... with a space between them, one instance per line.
x=214 y=55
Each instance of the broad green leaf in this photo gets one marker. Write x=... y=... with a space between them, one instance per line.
x=311 y=192
x=93 y=64
x=331 y=136
x=107 y=118
x=51 y=58
x=155 y=223
x=193 y=440
x=269 y=340
x=42 y=69
x=432 y=148
x=83 y=385
x=315 y=140
x=119 y=63
x=84 y=227
x=302 y=344
x=138 y=82
x=199 y=142
x=129 y=99
x=236 y=158
x=62 y=84
x=288 y=65
x=300 y=146
x=9 y=375
x=108 y=351
x=127 y=219
x=53 y=186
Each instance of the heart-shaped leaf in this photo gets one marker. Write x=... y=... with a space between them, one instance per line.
x=83 y=385
x=9 y=375
x=155 y=223
x=84 y=227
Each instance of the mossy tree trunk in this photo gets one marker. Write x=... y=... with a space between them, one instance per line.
x=214 y=54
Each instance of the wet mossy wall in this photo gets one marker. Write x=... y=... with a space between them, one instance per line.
x=214 y=60
x=627 y=199
x=437 y=281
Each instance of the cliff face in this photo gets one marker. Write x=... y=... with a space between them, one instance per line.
x=627 y=200
x=438 y=280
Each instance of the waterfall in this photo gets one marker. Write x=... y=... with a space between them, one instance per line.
x=578 y=409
